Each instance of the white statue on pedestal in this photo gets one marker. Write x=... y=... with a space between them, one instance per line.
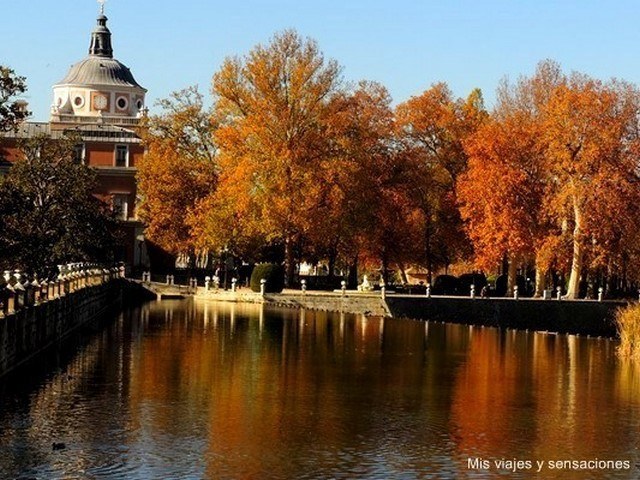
x=365 y=286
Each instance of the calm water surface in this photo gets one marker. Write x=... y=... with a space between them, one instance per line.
x=193 y=390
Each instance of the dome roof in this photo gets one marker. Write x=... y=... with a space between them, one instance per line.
x=103 y=71
x=100 y=68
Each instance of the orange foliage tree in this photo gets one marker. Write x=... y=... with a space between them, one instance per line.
x=178 y=169
x=555 y=168
x=502 y=191
x=432 y=128
x=591 y=139
x=365 y=214
x=270 y=105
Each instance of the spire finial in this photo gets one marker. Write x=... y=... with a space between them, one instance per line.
x=101 y=36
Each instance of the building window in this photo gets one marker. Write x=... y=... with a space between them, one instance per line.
x=79 y=153
x=122 y=103
x=122 y=155
x=120 y=204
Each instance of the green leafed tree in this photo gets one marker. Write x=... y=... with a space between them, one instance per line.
x=48 y=214
x=12 y=112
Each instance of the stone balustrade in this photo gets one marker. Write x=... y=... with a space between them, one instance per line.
x=19 y=291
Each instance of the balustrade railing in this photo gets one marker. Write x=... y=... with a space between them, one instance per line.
x=19 y=291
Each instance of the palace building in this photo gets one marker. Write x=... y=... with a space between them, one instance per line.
x=100 y=101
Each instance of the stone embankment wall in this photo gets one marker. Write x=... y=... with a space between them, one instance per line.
x=34 y=316
x=358 y=303
x=584 y=317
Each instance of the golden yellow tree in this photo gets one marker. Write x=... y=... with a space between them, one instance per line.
x=432 y=128
x=270 y=105
x=178 y=169
x=591 y=139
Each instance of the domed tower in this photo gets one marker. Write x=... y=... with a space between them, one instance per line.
x=98 y=89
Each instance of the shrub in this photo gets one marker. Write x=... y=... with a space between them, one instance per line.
x=273 y=274
x=628 y=326
x=445 y=285
x=466 y=280
x=501 y=285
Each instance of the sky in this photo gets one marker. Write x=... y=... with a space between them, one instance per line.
x=406 y=45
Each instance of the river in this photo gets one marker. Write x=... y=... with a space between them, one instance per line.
x=181 y=389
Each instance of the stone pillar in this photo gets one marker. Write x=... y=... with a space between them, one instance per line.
x=43 y=294
x=65 y=285
x=3 y=299
x=33 y=292
x=20 y=296
x=263 y=285
x=11 y=300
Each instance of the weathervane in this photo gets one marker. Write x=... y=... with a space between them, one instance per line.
x=101 y=2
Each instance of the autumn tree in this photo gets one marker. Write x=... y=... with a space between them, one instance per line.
x=270 y=105
x=365 y=213
x=433 y=127
x=552 y=179
x=48 y=214
x=178 y=169
x=591 y=139
x=12 y=111
x=502 y=192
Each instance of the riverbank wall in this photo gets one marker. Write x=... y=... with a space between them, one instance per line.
x=582 y=317
x=356 y=303
x=33 y=321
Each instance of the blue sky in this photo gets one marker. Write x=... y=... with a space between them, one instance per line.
x=406 y=45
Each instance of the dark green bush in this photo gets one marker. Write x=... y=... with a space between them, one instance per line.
x=273 y=274
x=445 y=285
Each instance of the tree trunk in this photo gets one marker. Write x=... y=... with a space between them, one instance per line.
x=573 y=288
x=352 y=280
x=385 y=267
x=427 y=251
x=403 y=274
x=289 y=262
x=511 y=276
x=540 y=282
x=333 y=254
x=505 y=265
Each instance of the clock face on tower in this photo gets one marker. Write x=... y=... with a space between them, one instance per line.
x=100 y=101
